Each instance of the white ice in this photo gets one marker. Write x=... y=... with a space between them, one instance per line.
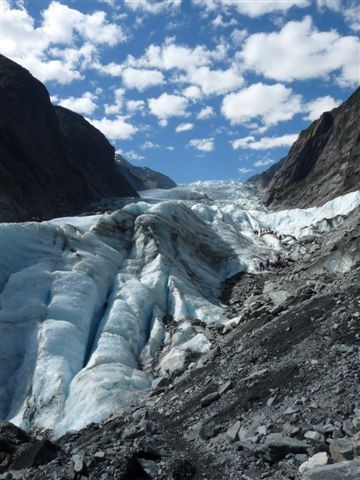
x=83 y=299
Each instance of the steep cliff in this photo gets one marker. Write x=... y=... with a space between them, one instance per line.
x=52 y=161
x=143 y=178
x=323 y=163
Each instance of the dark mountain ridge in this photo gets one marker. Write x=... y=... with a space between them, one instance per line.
x=143 y=178
x=52 y=161
x=322 y=164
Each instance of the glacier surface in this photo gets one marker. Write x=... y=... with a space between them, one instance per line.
x=84 y=300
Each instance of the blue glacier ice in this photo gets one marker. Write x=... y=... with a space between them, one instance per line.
x=83 y=299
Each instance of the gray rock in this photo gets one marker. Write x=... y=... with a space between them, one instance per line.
x=341 y=449
x=232 y=432
x=78 y=462
x=314 y=437
x=277 y=446
x=337 y=471
x=225 y=387
x=208 y=399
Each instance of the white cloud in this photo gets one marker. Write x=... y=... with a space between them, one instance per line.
x=319 y=106
x=215 y=81
x=152 y=6
x=170 y=148
x=135 y=105
x=245 y=170
x=253 y=8
x=263 y=163
x=61 y=46
x=184 y=127
x=132 y=155
x=299 y=51
x=142 y=79
x=149 y=145
x=85 y=105
x=269 y=103
x=112 y=69
x=238 y=36
x=220 y=22
x=203 y=144
x=170 y=56
x=206 y=112
x=118 y=104
x=264 y=143
x=192 y=92
x=117 y=129
x=167 y=106
x=352 y=15
x=334 y=5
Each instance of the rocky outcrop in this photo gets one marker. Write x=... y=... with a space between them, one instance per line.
x=52 y=161
x=322 y=164
x=143 y=178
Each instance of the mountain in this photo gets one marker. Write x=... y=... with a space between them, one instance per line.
x=52 y=161
x=143 y=178
x=323 y=163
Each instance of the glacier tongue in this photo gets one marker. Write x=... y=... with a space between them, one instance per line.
x=83 y=300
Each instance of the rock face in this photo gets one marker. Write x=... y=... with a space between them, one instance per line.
x=322 y=164
x=52 y=161
x=143 y=178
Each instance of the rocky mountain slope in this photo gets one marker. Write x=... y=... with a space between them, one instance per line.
x=52 y=161
x=142 y=178
x=323 y=163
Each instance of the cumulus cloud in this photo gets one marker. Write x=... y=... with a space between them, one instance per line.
x=269 y=103
x=264 y=143
x=85 y=105
x=245 y=170
x=65 y=41
x=184 y=127
x=192 y=92
x=203 y=144
x=118 y=103
x=152 y=6
x=299 y=51
x=319 y=106
x=135 y=106
x=167 y=106
x=206 y=112
x=216 y=81
x=253 y=8
x=142 y=79
x=117 y=129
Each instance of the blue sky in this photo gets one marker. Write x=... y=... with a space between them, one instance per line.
x=197 y=89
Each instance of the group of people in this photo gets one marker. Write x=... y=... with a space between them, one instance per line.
x=276 y=266
x=263 y=231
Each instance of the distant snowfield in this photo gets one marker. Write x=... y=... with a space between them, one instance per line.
x=83 y=298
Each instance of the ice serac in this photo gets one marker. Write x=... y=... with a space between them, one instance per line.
x=83 y=300
x=52 y=161
x=322 y=164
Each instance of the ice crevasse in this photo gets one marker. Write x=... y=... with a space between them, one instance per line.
x=83 y=299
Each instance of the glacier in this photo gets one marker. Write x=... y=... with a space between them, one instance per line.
x=85 y=301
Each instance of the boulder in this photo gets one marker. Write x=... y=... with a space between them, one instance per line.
x=337 y=471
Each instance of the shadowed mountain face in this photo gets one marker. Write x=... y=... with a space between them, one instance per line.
x=323 y=163
x=143 y=178
x=52 y=161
